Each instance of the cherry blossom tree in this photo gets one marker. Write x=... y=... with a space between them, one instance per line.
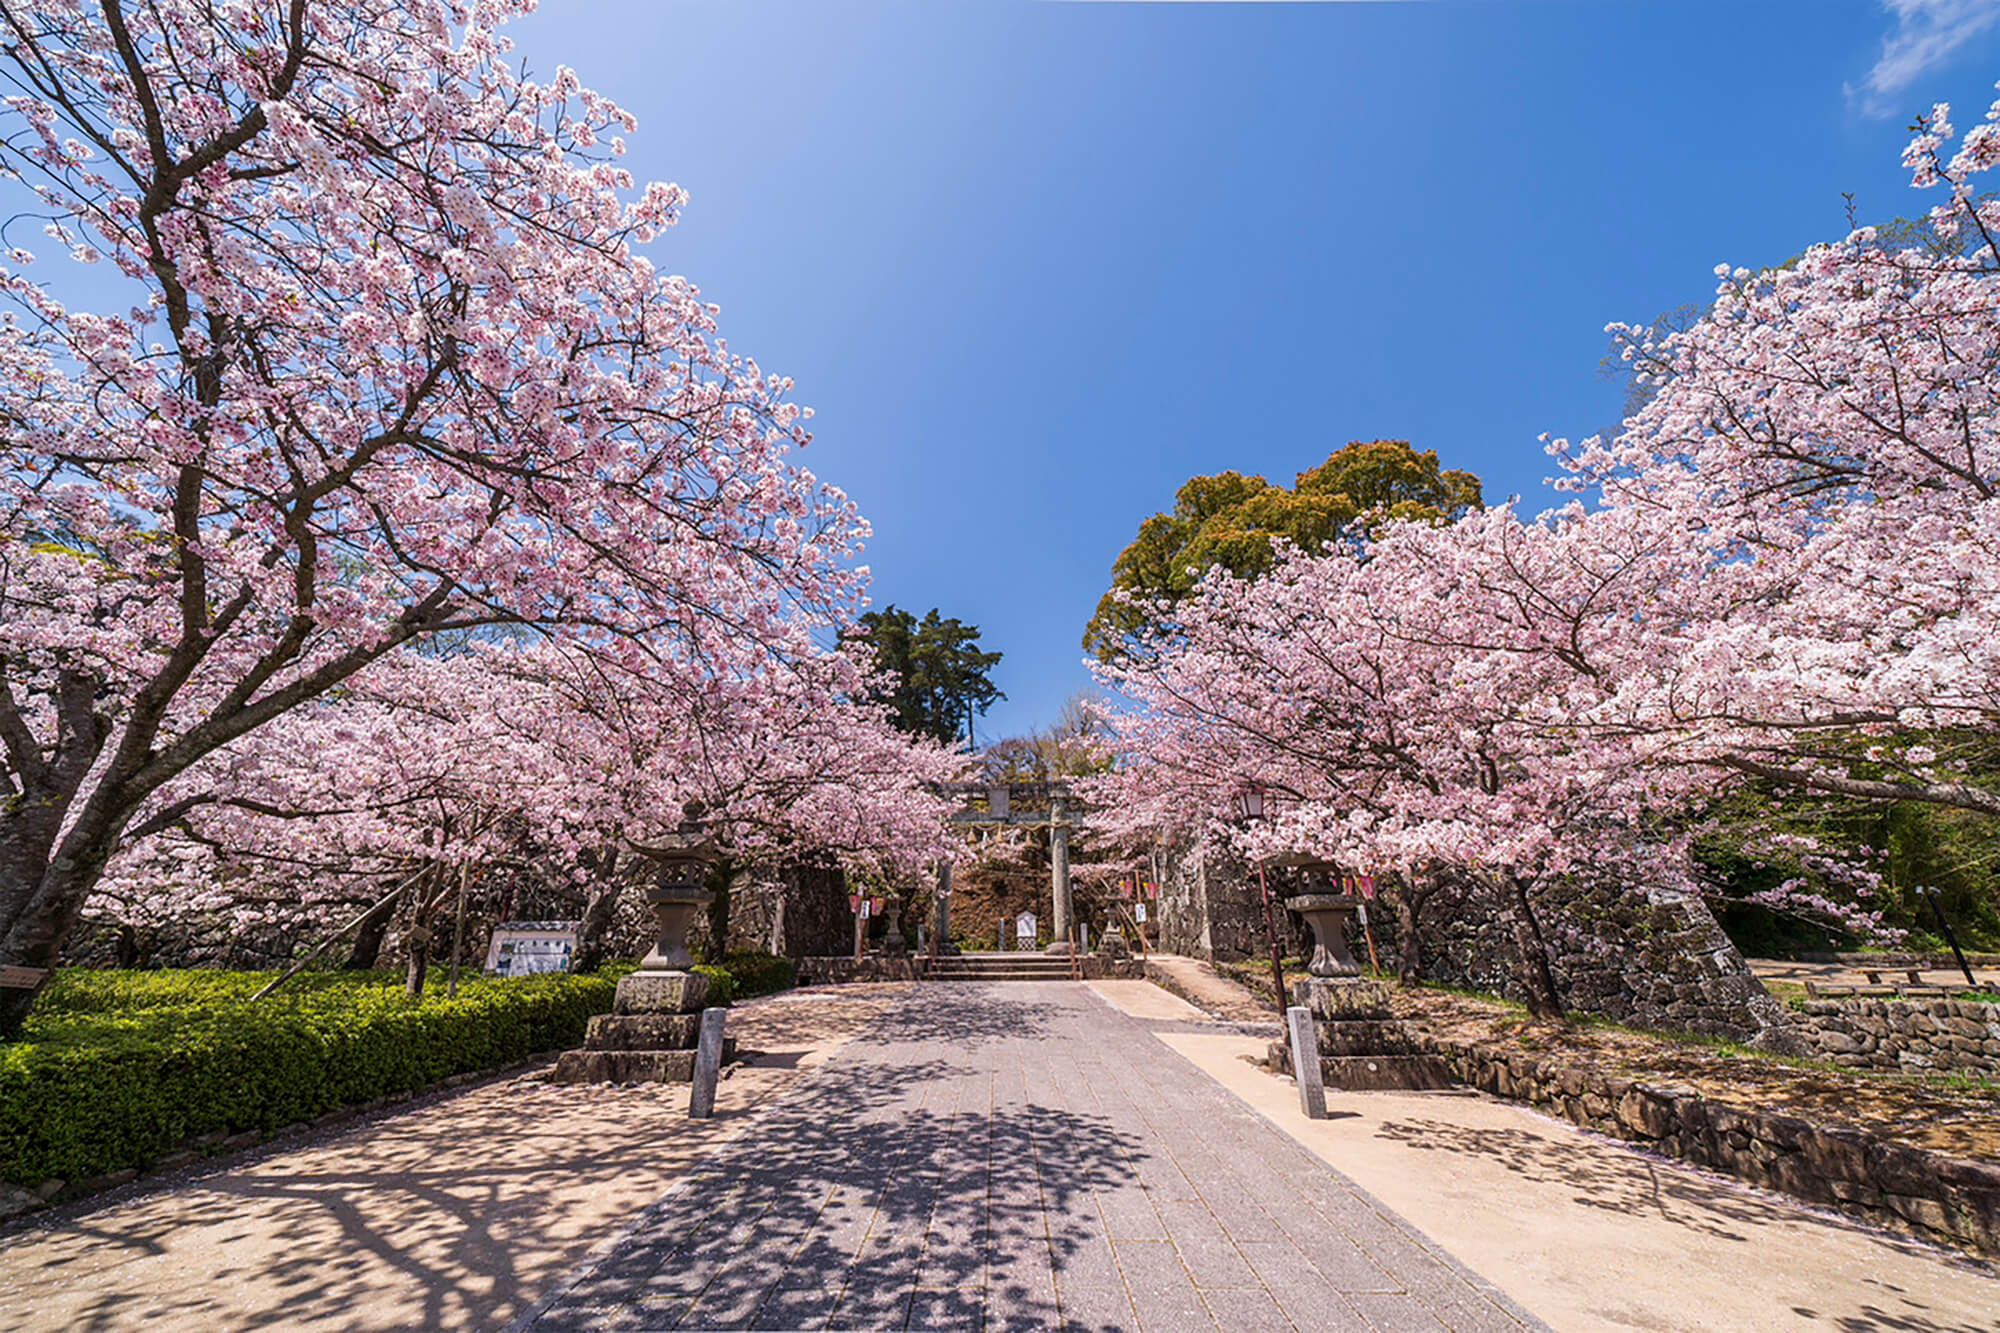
x=1785 y=570
x=1823 y=442
x=388 y=363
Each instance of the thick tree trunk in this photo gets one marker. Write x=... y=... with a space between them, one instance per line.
x=35 y=937
x=598 y=914
x=1409 y=948
x=370 y=934
x=418 y=944
x=1537 y=978
x=721 y=877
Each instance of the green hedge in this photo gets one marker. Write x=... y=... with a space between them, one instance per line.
x=116 y=1069
x=761 y=974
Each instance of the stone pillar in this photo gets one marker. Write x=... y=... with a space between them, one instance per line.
x=944 y=944
x=1059 y=878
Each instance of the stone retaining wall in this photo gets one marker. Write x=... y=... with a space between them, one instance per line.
x=1648 y=958
x=1949 y=1200
x=1903 y=1034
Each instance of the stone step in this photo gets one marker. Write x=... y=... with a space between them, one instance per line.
x=1007 y=975
x=1051 y=966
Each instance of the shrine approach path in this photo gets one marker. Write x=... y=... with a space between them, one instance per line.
x=1018 y=1156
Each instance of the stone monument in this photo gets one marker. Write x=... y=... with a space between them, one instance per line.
x=653 y=1029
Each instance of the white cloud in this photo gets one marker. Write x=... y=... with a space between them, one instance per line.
x=1926 y=35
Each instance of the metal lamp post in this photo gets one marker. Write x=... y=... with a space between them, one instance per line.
x=1930 y=891
x=1250 y=808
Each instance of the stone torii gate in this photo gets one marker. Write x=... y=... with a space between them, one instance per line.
x=992 y=805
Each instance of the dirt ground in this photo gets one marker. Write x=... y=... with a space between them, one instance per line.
x=1954 y=1115
x=454 y=1213
x=1786 y=975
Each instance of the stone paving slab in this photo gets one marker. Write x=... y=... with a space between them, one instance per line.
x=1018 y=1156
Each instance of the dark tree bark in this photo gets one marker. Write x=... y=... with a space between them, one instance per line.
x=599 y=910
x=1410 y=896
x=368 y=936
x=1537 y=978
x=135 y=947
x=418 y=944
x=721 y=879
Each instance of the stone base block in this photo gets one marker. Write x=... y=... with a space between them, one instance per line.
x=643 y=1032
x=1384 y=1073
x=1364 y=1036
x=630 y=1066
x=661 y=993
x=1336 y=1001
x=1061 y=947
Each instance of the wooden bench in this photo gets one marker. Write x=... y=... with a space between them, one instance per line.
x=1874 y=974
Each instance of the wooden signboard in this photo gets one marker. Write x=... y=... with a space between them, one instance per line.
x=21 y=978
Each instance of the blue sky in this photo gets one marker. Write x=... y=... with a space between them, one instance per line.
x=1035 y=263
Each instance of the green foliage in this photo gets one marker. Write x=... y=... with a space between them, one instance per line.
x=721 y=984
x=1231 y=520
x=756 y=973
x=116 y=1069
x=747 y=973
x=941 y=672
x=1904 y=843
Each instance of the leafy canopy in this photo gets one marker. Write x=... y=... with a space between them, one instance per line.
x=1231 y=520
x=941 y=673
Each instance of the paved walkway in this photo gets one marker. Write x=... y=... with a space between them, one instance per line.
x=1019 y=1156
x=454 y=1212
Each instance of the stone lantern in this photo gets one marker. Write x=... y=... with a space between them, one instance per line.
x=1342 y=1017
x=654 y=1026
x=680 y=889
x=1327 y=910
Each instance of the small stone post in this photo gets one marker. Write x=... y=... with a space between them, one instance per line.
x=707 y=1064
x=1305 y=1061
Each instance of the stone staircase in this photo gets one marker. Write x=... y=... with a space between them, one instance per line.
x=1001 y=967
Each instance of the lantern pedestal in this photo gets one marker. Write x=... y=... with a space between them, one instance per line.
x=1363 y=1046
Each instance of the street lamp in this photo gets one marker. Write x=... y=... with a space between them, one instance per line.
x=1249 y=808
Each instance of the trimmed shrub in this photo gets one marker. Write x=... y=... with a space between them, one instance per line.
x=116 y=1069
x=721 y=982
x=761 y=974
